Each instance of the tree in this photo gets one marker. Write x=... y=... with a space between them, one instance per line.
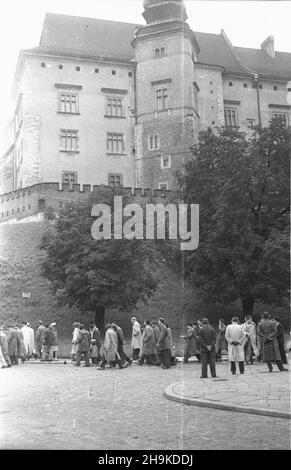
x=242 y=186
x=95 y=274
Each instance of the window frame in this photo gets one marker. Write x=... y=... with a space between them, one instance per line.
x=280 y=114
x=109 y=108
x=117 y=138
x=68 y=103
x=74 y=173
x=153 y=139
x=115 y=175
x=166 y=167
x=162 y=98
x=234 y=110
x=74 y=137
x=162 y=184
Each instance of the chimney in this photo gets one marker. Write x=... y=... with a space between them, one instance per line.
x=268 y=46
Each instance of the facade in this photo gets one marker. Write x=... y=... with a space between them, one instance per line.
x=103 y=102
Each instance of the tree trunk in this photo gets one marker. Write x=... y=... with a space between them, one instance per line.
x=100 y=317
x=248 y=305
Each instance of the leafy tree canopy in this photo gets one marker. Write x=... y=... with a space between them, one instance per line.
x=93 y=273
x=242 y=186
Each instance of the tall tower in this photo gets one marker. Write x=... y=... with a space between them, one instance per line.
x=167 y=118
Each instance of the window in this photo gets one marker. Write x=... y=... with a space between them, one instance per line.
x=260 y=87
x=163 y=185
x=96 y=70
x=130 y=74
x=283 y=117
x=245 y=85
x=69 y=140
x=115 y=143
x=78 y=68
x=42 y=64
x=60 y=67
x=160 y=51
x=68 y=102
x=230 y=117
x=154 y=141
x=115 y=179
x=162 y=99
x=250 y=123
x=60 y=204
x=113 y=72
x=230 y=83
x=165 y=162
x=275 y=88
x=69 y=177
x=114 y=107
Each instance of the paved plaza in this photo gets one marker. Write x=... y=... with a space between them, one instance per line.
x=59 y=406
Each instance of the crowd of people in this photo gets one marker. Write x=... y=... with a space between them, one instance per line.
x=152 y=343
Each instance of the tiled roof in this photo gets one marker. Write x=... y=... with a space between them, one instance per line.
x=89 y=37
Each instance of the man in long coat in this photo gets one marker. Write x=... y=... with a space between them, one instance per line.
x=48 y=341
x=270 y=349
x=281 y=340
x=190 y=344
x=110 y=347
x=28 y=339
x=221 y=343
x=39 y=335
x=235 y=336
x=21 y=347
x=149 y=347
x=164 y=345
x=136 y=340
x=95 y=343
x=13 y=344
x=75 y=340
x=120 y=339
x=6 y=362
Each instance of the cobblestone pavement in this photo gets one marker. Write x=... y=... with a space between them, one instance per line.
x=58 y=406
x=255 y=392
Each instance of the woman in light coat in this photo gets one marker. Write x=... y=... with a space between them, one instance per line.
x=235 y=336
x=110 y=348
x=149 y=347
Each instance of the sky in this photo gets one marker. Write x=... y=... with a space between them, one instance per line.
x=246 y=23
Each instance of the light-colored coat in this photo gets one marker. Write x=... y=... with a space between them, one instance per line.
x=28 y=339
x=111 y=345
x=136 y=341
x=250 y=329
x=75 y=340
x=148 y=341
x=235 y=332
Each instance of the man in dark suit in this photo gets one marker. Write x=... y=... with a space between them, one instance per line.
x=281 y=340
x=164 y=345
x=207 y=337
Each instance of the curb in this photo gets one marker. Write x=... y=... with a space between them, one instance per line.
x=171 y=395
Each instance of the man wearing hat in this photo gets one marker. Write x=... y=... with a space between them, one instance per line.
x=39 y=335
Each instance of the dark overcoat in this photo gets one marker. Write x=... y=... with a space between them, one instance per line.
x=148 y=341
x=164 y=339
x=267 y=332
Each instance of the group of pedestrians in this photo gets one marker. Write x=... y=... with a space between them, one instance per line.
x=151 y=342
x=242 y=343
x=23 y=343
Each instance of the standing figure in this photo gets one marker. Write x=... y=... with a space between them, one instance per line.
x=207 y=347
x=149 y=346
x=83 y=346
x=4 y=352
x=21 y=347
x=235 y=336
x=197 y=325
x=39 y=335
x=95 y=343
x=156 y=330
x=110 y=348
x=250 y=345
x=136 y=339
x=270 y=350
x=13 y=344
x=75 y=340
x=120 y=339
x=173 y=359
x=281 y=340
x=55 y=341
x=190 y=344
x=48 y=341
x=221 y=343
x=28 y=339
x=164 y=345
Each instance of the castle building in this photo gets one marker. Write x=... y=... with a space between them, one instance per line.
x=104 y=102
